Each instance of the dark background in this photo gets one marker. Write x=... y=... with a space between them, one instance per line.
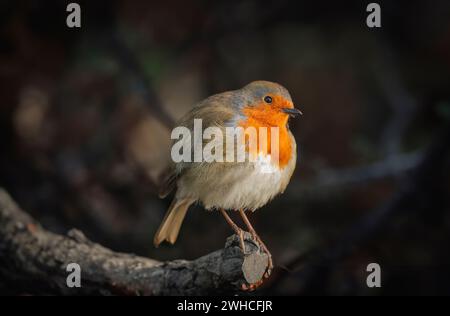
x=85 y=119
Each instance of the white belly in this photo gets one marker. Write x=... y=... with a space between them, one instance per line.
x=249 y=189
x=246 y=186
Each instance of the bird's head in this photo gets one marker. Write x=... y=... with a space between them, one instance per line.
x=267 y=104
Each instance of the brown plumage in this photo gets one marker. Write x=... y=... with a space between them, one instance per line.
x=240 y=186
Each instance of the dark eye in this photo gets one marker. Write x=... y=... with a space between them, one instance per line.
x=268 y=99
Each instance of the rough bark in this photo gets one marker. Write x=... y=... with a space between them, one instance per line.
x=35 y=260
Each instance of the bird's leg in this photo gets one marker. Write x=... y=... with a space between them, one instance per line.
x=236 y=229
x=240 y=233
x=258 y=239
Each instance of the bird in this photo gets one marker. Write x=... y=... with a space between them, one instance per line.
x=234 y=186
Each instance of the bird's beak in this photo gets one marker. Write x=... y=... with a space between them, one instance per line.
x=292 y=111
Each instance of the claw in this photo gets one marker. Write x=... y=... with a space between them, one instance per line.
x=251 y=287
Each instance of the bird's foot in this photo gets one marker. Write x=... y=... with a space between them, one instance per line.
x=269 y=265
x=251 y=287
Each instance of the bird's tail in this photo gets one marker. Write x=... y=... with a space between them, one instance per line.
x=170 y=226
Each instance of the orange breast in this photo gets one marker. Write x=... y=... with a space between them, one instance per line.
x=267 y=116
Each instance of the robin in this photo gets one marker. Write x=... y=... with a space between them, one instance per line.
x=240 y=186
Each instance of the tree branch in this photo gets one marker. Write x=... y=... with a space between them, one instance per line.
x=35 y=260
x=329 y=181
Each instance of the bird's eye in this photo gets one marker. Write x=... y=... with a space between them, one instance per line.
x=268 y=99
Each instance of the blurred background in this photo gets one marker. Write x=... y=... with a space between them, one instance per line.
x=86 y=114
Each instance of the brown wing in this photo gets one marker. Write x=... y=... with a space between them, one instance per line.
x=168 y=182
x=216 y=110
